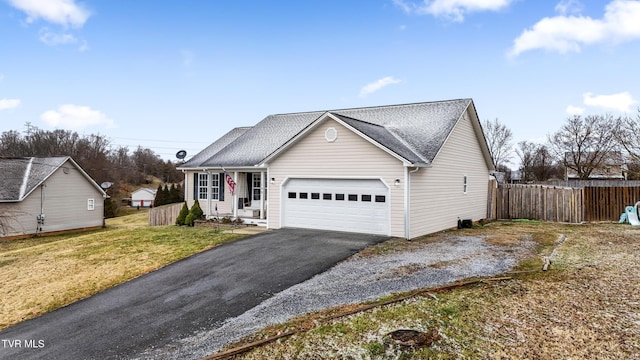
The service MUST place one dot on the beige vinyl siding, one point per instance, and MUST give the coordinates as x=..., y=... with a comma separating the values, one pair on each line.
x=349, y=156
x=65, y=197
x=224, y=207
x=437, y=197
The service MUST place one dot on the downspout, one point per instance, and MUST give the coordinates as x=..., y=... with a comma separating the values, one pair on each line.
x=407, y=205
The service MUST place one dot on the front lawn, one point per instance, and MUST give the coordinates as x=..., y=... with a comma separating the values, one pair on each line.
x=44, y=273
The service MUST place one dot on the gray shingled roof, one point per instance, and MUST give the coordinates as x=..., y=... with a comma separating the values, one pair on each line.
x=384, y=137
x=214, y=148
x=20, y=176
x=415, y=132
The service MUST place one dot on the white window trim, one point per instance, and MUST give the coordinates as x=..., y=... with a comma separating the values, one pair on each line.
x=215, y=186
x=91, y=204
x=203, y=186
x=255, y=180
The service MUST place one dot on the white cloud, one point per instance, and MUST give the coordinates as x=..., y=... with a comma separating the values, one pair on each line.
x=9, y=103
x=62, y=12
x=574, y=110
x=75, y=117
x=621, y=102
x=569, y=7
x=452, y=9
x=377, y=85
x=52, y=39
x=621, y=22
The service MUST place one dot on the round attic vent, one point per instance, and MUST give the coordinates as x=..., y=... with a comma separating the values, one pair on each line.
x=331, y=134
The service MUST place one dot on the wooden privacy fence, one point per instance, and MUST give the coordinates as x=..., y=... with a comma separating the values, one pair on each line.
x=607, y=203
x=559, y=204
x=164, y=215
x=535, y=202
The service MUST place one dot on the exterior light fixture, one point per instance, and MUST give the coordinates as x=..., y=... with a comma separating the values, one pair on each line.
x=273, y=180
x=397, y=182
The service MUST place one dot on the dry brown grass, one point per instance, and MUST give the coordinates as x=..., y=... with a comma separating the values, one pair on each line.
x=587, y=306
x=41, y=274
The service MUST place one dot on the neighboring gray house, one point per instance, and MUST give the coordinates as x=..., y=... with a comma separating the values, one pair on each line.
x=612, y=166
x=41, y=195
x=400, y=170
x=143, y=197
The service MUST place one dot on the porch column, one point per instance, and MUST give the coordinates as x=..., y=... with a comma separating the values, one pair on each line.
x=209, y=194
x=234, y=203
x=262, y=186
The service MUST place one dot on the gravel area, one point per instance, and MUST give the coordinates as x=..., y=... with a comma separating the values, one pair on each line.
x=355, y=280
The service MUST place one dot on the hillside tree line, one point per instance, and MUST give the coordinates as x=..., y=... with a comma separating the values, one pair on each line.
x=95, y=154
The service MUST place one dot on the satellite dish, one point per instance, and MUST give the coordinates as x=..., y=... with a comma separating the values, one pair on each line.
x=181, y=154
x=106, y=185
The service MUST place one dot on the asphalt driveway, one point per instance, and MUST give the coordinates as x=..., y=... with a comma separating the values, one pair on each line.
x=181, y=299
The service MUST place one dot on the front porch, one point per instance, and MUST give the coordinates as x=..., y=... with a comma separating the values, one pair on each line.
x=245, y=196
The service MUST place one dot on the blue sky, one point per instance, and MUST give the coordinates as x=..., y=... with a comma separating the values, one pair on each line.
x=173, y=75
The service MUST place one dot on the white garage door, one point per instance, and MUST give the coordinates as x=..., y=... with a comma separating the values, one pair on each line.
x=351, y=205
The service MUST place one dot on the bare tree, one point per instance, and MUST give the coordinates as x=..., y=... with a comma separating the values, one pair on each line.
x=583, y=144
x=499, y=139
x=536, y=162
x=628, y=136
x=526, y=151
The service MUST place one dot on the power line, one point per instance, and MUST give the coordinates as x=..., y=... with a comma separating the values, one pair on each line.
x=170, y=141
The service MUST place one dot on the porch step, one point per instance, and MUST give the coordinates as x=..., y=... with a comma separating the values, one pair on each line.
x=259, y=222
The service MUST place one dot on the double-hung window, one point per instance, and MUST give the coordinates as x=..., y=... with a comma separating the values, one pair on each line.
x=203, y=186
x=215, y=186
x=255, y=185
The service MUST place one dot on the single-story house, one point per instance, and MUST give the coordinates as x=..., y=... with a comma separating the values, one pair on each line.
x=48, y=194
x=143, y=197
x=400, y=170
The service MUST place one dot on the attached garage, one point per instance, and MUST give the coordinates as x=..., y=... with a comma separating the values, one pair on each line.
x=351, y=205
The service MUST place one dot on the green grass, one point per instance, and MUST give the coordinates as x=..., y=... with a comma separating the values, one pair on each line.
x=44, y=273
